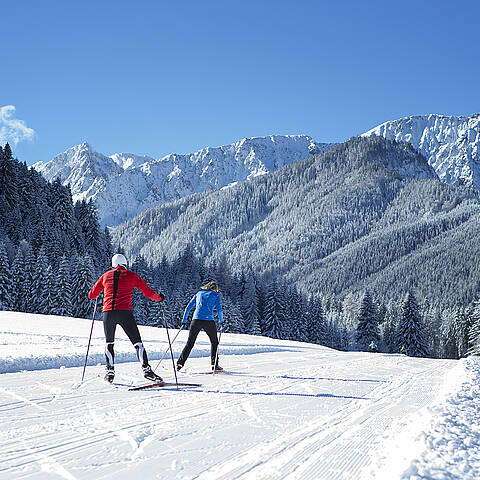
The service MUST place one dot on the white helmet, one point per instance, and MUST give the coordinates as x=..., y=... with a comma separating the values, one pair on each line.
x=119, y=259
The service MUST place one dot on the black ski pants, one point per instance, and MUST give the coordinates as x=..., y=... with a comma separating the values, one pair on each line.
x=210, y=329
x=125, y=319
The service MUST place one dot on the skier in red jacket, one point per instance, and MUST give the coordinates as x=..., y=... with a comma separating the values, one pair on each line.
x=118, y=285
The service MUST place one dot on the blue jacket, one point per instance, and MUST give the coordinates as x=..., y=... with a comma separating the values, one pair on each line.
x=204, y=302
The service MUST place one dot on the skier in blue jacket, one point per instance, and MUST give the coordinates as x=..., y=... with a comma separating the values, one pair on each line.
x=205, y=301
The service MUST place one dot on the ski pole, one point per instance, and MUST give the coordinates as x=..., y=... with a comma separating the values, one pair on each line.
x=170, y=346
x=90, y=338
x=216, y=354
x=173, y=341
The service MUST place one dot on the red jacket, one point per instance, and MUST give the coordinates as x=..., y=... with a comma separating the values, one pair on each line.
x=118, y=285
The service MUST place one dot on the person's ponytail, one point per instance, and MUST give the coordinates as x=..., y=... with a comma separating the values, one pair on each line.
x=210, y=286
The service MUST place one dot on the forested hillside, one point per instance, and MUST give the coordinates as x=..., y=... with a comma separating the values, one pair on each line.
x=50, y=249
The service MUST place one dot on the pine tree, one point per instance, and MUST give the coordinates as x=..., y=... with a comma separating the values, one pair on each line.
x=63, y=294
x=449, y=347
x=6, y=286
x=462, y=328
x=232, y=316
x=107, y=247
x=274, y=312
x=38, y=279
x=411, y=330
x=389, y=328
x=83, y=280
x=9, y=197
x=261, y=305
x=62, y=204
x=474, y=333
x=18, y=280
x=432, y=322
x=316, y=324
x=46, y=303
x=223, y=275
x=367, y=326
x=250, y=308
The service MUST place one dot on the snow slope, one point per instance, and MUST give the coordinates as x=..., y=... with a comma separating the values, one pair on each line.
x=125, y=184
x=288, y=411
x=451, y=145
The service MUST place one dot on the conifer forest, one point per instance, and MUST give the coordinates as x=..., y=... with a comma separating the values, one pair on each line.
x=53, y=249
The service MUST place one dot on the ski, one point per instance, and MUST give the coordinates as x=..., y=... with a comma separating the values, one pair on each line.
x=217, y=373
x=165, y=384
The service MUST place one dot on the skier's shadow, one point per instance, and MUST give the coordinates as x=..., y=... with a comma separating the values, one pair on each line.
x=285, y=394
x=288, y=377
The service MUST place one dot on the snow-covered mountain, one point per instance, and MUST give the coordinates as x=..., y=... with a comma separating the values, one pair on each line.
x=451, y=145
x=124, y=184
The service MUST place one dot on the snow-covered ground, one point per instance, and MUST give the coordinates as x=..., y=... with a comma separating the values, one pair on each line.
x=287, y=410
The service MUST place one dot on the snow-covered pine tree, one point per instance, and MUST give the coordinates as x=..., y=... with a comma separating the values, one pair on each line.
x=62, y=208
x=175, y=305
x=367, y=325
x=295, y=322
x=9, y=198
x=432, y=320
x=38, y=279
x=474, y=333
x=448, y=341
x=250, y=307
x=5, y=280
x=462, y=328
x=233, y=319
x=18, y=281
x=240, y=289
x=47, y=299
x=334, y=333
x=63, y=294
x=83, y=280
x=107, y=247
x=223, y=275
x=29, y=274
x=274, y=312
x=261, y=305
x=316, y=322
x=410, y=330
x=389, y=328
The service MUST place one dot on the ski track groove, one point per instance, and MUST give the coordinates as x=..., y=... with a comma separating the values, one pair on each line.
x=78, y=445
x=279, y=462
x=300, y=453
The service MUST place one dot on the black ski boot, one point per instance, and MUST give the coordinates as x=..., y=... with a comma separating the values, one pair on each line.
x=217, y=368
x=110, y=375
x=149, y=374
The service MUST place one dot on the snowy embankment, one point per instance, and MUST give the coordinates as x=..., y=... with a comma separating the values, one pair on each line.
x=55, y=342
x=287, y=410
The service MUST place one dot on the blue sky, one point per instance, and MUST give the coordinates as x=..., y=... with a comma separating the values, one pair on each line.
x=155, y=77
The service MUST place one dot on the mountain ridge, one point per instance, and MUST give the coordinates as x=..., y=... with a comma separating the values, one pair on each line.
x=123, y=185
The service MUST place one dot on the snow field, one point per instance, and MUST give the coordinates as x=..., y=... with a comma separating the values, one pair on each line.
x=287, y=411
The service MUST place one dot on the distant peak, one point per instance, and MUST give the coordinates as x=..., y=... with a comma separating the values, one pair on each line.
x=86, y=146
